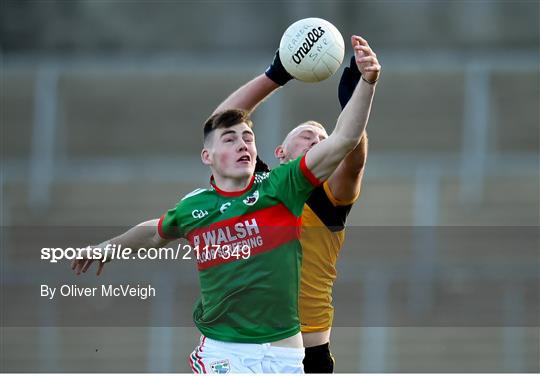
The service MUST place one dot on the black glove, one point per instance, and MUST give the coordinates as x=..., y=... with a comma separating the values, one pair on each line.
x=349, y=79
x=277, y=73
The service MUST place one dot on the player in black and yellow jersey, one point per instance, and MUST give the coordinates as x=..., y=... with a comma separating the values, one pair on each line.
x=325, y=212
x=323, y=230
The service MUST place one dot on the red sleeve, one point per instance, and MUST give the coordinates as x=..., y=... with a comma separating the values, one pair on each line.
x=308, y=174
x=161, y=230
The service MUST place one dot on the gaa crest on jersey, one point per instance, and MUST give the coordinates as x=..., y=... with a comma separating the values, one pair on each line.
x=221, y=366
x=252, y=199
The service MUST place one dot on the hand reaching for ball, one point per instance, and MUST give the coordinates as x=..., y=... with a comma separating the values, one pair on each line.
x=366, y=59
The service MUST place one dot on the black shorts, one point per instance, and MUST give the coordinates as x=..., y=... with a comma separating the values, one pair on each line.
x=318, y=359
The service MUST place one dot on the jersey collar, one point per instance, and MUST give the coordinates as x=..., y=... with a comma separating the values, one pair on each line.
x=231, y=193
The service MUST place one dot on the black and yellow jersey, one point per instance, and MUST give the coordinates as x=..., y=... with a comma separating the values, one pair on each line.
x=322, y=236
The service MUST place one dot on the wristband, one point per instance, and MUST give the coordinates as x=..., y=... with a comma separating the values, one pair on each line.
x=370, y=82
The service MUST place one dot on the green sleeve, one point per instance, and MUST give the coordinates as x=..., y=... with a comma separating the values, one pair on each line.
x=169, y=224
x=292, y=183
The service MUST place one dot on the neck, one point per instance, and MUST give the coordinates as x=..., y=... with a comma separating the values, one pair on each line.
x=231, y=184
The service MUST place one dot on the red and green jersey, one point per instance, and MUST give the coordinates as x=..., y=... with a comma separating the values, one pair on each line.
x=251, y=299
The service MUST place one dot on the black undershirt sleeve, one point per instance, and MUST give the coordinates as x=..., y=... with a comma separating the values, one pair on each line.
x=333, y=217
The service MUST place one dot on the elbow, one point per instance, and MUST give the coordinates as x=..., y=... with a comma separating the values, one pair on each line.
x=154, y=239
x=157, y=241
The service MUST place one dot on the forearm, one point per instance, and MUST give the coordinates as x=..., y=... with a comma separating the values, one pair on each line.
x=346, y=181
x=325, y=157
x=355, y=161
x=352, y=121
x=249, y=96
x=144, y=235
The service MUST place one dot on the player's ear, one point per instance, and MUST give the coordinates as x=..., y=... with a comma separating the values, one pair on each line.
x=279, y=153
x=206, y=157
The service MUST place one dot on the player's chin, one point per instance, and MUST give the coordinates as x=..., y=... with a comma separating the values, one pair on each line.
x=243, y=170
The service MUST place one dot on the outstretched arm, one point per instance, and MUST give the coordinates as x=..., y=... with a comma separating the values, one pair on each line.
x=346, y=181
x=324, y=157
x=250, y=95
x=144, y=235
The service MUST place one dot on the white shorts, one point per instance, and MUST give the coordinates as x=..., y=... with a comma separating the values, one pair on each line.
x=213, y=356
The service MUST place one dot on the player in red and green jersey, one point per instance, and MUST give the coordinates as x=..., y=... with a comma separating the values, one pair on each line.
x=262, y=218
x=248, y=311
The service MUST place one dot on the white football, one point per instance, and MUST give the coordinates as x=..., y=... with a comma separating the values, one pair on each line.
x=311, y=49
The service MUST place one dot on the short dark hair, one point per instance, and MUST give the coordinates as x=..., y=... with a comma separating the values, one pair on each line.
x=226, y=119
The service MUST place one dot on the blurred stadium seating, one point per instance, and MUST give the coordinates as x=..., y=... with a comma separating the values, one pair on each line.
x=102, y=105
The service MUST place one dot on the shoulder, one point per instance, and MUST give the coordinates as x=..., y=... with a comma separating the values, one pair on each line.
x=284, y=169
x=323, y=204
x=194, y=193
x=195, y=198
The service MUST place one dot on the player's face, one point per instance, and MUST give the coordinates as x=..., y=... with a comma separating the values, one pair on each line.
x=232, y=153
x=300, y=140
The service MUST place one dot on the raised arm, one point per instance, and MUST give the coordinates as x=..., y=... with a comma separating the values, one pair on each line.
x=250, y=95
x=346, y=181
x=325, y=157
x=144, y=235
